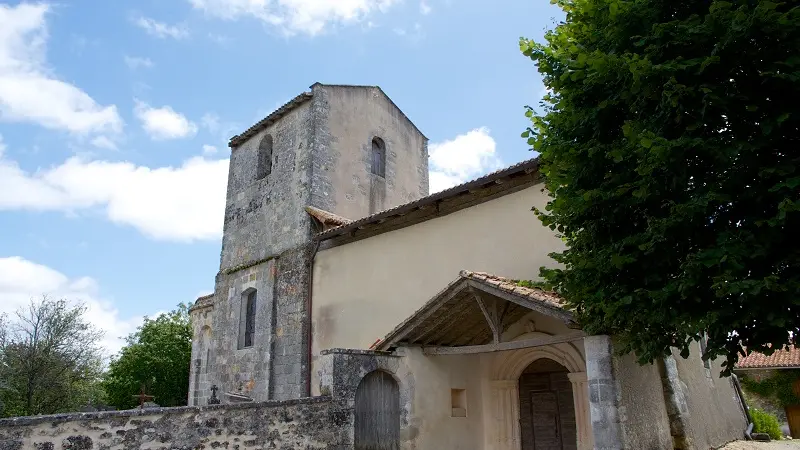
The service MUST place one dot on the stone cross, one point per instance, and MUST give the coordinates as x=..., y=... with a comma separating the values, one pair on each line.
x=142, y=397
x=213, y=400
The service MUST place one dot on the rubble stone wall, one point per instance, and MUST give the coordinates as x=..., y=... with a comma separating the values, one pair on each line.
x=308, y=423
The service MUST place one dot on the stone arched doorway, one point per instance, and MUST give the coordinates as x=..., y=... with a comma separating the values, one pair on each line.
x=507, y=369
x=546, y=407
x=377, y=413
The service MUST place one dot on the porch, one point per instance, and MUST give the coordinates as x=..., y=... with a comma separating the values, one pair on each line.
x=528, y=387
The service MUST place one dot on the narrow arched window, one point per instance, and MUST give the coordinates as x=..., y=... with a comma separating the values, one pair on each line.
x=264, y=164
x=378, y=157
x=247, y=322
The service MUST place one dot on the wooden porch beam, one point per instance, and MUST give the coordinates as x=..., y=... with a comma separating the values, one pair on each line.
x=504, y=346
x=540, y=307
x=490, y=312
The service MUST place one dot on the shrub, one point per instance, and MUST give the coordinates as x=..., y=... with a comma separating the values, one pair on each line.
x=764, y=422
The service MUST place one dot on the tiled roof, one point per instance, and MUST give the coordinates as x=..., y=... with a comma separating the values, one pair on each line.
x=510, y=286
x=205, y=300
x=327, y=217
x=239, y=139
x=779, y=359
x=453, y=318
x=528, y=165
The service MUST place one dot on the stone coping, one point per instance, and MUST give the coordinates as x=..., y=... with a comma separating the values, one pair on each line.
x=350, y=351
x=70, y=417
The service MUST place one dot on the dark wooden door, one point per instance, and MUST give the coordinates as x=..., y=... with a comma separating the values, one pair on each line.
x=377, y=425
x=546, y=426
x=547, y=412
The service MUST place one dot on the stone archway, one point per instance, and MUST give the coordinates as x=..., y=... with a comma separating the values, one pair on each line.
x=504, y=387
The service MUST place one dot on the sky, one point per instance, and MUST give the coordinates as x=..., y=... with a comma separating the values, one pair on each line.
x=115, y=118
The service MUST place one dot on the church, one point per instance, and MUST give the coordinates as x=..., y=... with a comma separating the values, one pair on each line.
x=337, y=263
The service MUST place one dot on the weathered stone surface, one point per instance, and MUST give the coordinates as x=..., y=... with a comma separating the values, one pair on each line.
x=321, y=157
x=311, y=423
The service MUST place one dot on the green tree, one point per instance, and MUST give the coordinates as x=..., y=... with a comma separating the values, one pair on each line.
x=669, y=143
x=157, y=356
x=50, y=359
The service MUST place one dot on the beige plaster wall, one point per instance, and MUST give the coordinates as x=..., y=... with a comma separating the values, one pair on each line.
x=642, y=410
x=715, y=413
x=364, y=289
x=429, y=381
x=355, y=116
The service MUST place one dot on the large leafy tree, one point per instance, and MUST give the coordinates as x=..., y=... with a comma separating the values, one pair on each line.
x=50, y=359
x=669, y=142
x=156, y=357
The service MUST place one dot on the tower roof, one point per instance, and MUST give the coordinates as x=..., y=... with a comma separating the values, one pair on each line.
x=300, y=99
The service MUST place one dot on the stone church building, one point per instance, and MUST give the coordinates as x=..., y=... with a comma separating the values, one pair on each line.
x=337, y=264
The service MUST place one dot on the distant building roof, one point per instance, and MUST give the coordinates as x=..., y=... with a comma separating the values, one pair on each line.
x=780, y=359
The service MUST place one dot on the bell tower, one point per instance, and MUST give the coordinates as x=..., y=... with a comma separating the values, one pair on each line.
x=345, y=150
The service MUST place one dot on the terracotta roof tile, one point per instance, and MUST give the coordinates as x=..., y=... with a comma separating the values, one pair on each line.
x=528, y=165
x=327, y=218
x=779, y=359
x=510, y=286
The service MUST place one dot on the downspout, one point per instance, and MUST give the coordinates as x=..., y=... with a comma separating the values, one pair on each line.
x=309, y=296
x=740, y=394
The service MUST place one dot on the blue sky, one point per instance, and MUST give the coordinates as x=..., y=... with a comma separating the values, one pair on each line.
x=114, y=119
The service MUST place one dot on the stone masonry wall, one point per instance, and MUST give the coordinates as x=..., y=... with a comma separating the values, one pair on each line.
x=346, y=119
x=243, y=370
x=311, y=423
x=266, y=217
x=200, y=373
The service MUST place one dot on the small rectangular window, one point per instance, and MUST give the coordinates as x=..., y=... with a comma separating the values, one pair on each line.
x=458, y=402
x=249, y=319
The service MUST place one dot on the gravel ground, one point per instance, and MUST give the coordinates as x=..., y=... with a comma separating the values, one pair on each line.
x=774, y=445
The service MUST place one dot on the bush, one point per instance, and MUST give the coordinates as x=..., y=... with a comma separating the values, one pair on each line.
x=764, y=422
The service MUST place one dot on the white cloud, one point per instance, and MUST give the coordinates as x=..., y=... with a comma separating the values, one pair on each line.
x=184, y=203
x=209, y=149
x=163, y=122
x=135, y=62
x=104, y=142
x=424, y=8
x=22, y=280
x=29, y=89
x=210, y=121
x=461, y=159
x=295, y=16
x=161, y=29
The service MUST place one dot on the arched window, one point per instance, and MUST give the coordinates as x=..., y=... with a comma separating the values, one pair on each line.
x=247, y=321
x=264, y=164
x=378, y=157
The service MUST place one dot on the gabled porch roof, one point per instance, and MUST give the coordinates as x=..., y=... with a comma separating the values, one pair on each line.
x=471, y=314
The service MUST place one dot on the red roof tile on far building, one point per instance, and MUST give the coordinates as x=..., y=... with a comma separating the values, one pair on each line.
x=781, y=359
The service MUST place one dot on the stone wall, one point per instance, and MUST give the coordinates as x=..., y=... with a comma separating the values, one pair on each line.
x=266, y=217
x=233, y=368
x=311, y=423
x=714, y=412
x=346, y=119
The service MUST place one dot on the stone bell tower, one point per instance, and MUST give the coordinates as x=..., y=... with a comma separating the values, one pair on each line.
x=346, y=150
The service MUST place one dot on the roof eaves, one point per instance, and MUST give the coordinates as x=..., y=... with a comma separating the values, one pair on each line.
x=239, y=139
x=526, y=166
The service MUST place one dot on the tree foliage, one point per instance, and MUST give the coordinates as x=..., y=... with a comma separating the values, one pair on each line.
x=777, y=387
x=157, y=356
x=669, y=142
x=50, y=359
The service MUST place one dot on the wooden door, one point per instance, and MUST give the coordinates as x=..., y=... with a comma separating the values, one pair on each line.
x=546, y=426
x=377, y=421
x=547, y=412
